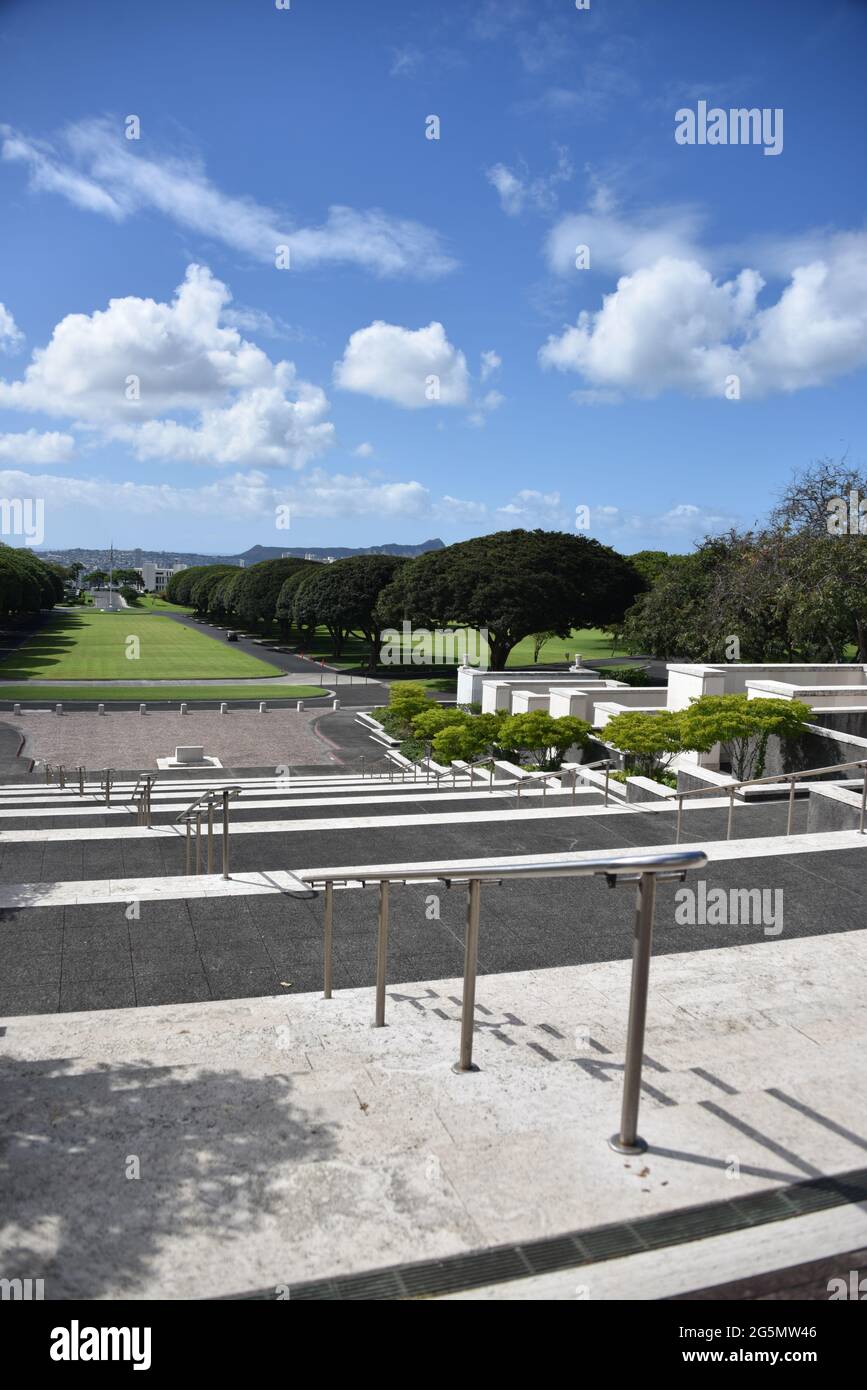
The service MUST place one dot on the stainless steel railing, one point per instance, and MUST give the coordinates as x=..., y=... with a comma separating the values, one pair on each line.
x=192, y=815
x=791, y=777
x=645, y=870
x=105, y=784
x=607, y=763
x=141, y=797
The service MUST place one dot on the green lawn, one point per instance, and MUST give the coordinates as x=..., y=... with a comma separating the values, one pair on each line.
x=590, y=642
x=153, y=695
x=158, y=605
x=93, y=646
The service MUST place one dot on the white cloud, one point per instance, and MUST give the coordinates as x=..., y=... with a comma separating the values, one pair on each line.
x=250, y=320
x=530, y=507
x=510, y=188
x=518, y=189
x=246, y=410
x=33, y=447
x=11, y=336
x=679, y=526
x=99, y=171
x=618, y=243
x=409, y=367
x=593, y=396
x=491, y=362
x=364, y=451
x=672, y=326
x=405, y=61
x=492, y=400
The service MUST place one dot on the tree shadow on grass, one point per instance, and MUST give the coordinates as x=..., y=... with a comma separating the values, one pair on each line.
x=212, y=1147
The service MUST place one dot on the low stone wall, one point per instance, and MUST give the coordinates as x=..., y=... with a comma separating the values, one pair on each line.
x=833, y=808
x=645, y=789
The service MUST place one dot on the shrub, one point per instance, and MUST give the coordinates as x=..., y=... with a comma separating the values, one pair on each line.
x=648, y=741
x=743, y=726
x=629, y=675
x=407, y=699
x=544, y=738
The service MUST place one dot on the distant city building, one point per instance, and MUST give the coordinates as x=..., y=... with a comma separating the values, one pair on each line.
x=155, y=577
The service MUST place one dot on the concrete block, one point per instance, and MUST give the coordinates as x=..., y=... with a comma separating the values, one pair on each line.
x=190, y=753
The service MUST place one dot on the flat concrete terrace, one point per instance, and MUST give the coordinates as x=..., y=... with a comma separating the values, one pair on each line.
x=283, y=1141
x=241, y=738
x=118, y=943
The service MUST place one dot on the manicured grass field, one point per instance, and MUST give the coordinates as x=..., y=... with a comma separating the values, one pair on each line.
x=154, y=603
x=94, y=646
x=156, y=694
x=590, y=642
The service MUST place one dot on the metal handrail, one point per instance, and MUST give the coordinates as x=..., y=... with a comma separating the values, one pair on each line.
x=643, y=869
x=607, y=763
x=105, y=781
x=543, y=777
x=193, y=813
x=775, y=778
x=145, y=782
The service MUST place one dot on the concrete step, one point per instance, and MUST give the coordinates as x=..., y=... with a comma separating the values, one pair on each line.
x=277, y=808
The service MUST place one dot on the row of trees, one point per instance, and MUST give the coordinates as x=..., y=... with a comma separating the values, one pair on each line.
x=512, y=583
x=453, y=734
x=793, y=589
x=27, y=583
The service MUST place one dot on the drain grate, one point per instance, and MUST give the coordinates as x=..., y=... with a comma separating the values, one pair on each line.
x=474, y=1270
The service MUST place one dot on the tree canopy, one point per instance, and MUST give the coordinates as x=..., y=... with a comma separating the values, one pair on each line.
x=514, y=583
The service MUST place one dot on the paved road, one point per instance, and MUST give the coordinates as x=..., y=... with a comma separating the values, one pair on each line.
x=107, y=601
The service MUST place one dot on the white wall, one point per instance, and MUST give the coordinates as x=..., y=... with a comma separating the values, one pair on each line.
x=471, y=679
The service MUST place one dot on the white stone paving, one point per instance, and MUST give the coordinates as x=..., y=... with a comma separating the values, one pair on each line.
x=285, y=1139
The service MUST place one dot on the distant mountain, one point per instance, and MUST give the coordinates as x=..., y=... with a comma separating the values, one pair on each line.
x=130, y=559
x=334, y=552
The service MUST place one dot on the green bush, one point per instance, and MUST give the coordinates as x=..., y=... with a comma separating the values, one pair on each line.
x=629, y=675
x=414, y=749
x=648, y=741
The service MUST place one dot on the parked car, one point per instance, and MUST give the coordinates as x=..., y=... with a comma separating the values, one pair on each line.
x=231, y=636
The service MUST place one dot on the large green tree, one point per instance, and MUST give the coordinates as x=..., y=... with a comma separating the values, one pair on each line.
x=514, y=583
x=27, y=584
x=344, y=597
x=254, y=599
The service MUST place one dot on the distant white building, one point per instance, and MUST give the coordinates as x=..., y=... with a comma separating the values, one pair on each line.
x=155, y=577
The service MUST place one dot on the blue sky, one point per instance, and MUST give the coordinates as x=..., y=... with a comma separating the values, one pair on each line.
x=432, y=361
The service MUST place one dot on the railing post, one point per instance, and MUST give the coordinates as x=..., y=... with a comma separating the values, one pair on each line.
x=329, y=934
x=731, y=812
x=791, y=804
x=471, y=957
x=210, y=837
x=108, y=786
x=607, y=772
x=62, y=778
x=679, y=818
x=198, y=842
x=81, y=781
x=627, y=1141
x=381, y=953
x=863, y=799
x=189, y=834
x=225, y=834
